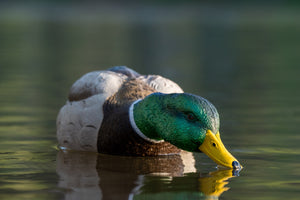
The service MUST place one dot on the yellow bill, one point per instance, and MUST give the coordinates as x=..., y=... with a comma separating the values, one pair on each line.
x=215, y=149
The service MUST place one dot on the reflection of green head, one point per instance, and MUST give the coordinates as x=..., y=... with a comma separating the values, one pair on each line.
x=181, y=119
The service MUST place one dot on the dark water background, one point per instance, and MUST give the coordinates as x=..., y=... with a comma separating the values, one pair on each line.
x=243, y=58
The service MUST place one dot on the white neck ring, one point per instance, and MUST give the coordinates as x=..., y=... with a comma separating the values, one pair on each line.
x=135, y=128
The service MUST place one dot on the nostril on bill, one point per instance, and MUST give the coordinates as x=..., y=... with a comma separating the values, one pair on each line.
x=236, y=165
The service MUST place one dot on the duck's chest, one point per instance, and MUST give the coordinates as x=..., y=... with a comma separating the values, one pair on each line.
x=116, y=136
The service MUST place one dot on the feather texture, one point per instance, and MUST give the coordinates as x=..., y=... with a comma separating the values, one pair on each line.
x=79, y=121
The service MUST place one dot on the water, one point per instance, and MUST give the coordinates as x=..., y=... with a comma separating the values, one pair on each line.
x=243, y=59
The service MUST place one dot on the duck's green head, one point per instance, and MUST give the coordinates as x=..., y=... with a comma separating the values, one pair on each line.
x=187, y=121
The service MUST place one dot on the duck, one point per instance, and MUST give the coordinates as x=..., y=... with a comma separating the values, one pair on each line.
x=121, y=112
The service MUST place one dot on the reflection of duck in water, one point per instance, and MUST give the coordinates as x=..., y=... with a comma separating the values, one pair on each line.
x=98, y=176
x=121, y=112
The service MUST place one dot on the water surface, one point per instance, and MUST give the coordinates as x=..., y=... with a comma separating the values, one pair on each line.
x=243, y=59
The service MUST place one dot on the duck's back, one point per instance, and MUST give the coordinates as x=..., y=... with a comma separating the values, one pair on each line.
x=79, y=121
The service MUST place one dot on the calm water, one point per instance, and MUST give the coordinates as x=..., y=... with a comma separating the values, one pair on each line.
x=243, y=59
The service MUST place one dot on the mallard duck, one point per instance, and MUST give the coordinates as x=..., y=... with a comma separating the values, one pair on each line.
x=119, y=111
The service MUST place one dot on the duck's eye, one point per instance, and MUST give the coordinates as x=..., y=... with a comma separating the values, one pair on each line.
x=190, y=117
